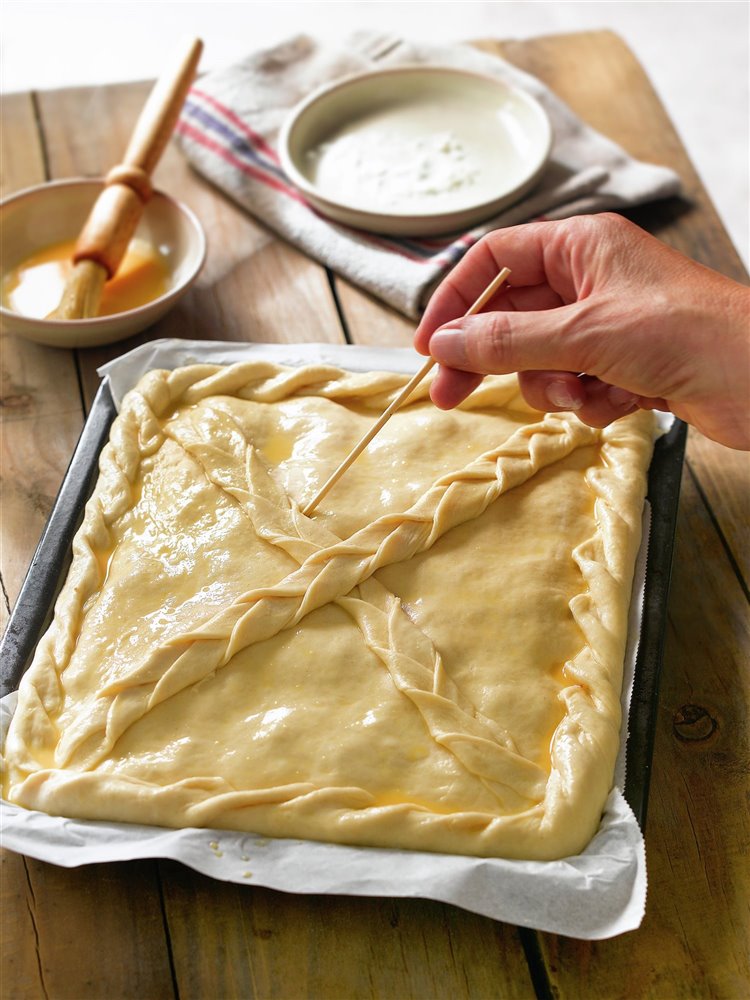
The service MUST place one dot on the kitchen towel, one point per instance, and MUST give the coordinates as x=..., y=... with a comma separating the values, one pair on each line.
x=232, y=118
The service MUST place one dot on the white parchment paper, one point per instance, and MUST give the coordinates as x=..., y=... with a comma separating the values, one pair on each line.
x=597, y=894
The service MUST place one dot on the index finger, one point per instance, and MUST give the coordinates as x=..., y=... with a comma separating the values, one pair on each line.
x=520, y=248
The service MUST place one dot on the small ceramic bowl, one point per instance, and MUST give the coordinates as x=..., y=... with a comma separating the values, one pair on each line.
x=52, y=213
x=415, y=151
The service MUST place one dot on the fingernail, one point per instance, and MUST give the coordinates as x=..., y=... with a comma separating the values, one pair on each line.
x=449, y=347
x=560, y=395
x=621, y=399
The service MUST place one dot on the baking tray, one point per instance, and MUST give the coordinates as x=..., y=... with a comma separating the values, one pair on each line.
x=46, y=575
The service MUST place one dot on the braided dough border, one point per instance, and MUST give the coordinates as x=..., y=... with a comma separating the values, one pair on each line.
x=584, y=746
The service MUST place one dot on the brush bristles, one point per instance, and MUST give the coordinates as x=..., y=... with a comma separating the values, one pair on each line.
x=83, y=292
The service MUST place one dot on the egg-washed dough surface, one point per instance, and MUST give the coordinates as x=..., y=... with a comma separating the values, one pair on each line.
x=431, y=661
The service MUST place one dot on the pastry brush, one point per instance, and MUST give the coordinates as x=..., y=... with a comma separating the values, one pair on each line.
x=114, y=217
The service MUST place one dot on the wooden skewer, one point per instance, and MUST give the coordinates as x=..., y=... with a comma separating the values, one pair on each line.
x=117, y=211
x=410, y=386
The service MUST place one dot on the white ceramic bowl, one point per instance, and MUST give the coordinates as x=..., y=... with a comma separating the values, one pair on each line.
x=55, y=212
x=365, y=151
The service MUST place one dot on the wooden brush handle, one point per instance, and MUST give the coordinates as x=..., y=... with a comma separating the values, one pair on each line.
x=116, y=212
x=109, y=228
x=160, y=113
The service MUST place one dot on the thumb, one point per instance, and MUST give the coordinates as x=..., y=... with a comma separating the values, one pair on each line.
x=497, y=343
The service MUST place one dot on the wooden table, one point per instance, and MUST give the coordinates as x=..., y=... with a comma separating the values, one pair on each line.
x=156, y=929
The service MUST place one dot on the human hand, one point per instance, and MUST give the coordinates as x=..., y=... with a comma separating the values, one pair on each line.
x=601, y=318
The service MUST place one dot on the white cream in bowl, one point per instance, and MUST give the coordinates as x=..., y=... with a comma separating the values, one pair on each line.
x=415, y=150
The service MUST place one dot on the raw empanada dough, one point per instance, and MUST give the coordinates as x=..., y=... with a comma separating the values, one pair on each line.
x=433, y=660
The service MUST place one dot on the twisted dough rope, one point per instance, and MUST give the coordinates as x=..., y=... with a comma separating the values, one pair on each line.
x=138, y=433
x=592, y=720
x=33, y=734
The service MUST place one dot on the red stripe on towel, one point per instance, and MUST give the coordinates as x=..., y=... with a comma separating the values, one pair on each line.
x=255, y=137
x=186, y=129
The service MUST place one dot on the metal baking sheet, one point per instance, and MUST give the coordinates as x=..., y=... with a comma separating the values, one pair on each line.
x=49, y=566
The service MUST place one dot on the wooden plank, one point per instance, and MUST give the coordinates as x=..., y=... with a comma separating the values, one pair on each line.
x=371, y=322
x=693, y=941
x=22, y=976
x=254, y=286
x=35, y=454
x=723, y=476
x=38, y=388
x=41, y=417
x=21, y=161
x=260, y=943
x=82, y=933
